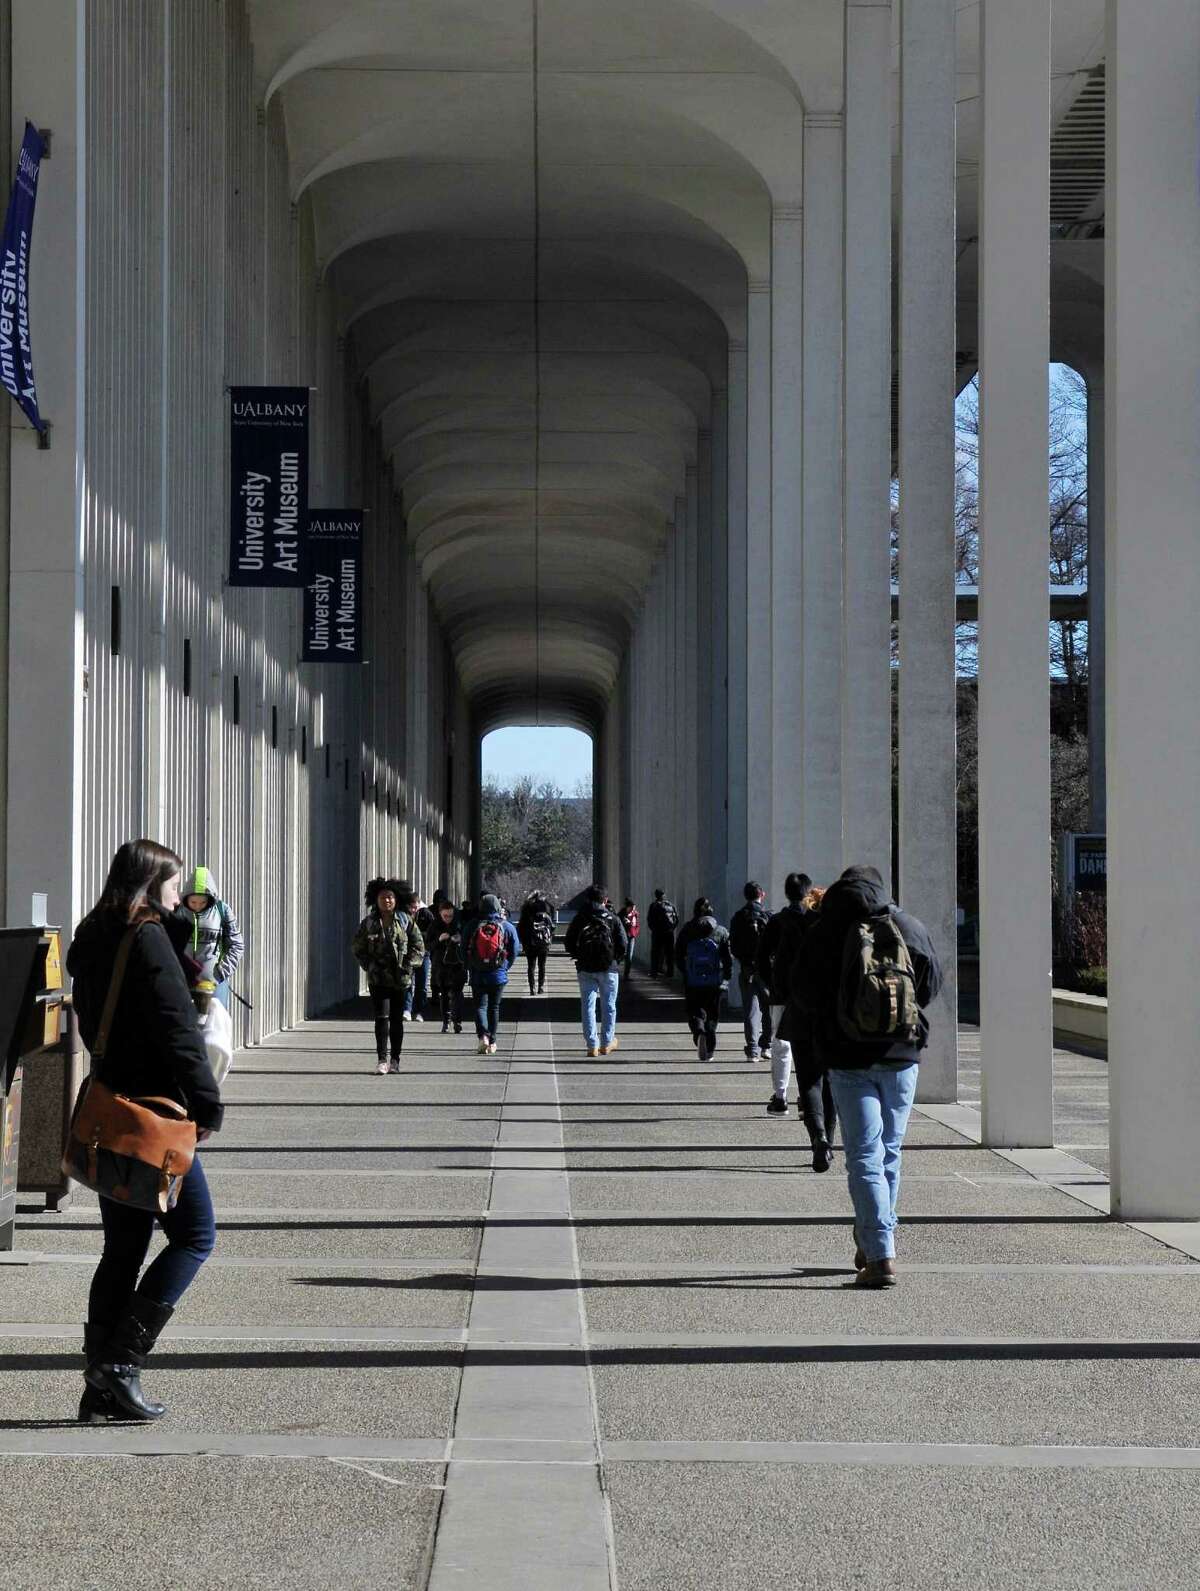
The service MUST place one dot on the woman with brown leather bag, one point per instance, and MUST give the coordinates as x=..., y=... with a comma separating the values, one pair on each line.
x=137, y=1017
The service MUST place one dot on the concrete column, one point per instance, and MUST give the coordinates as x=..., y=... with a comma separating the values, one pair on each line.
x=820, y=848
x=47, y=492
x=927, y=884
x=867, y=429
x=1016, y=1020
x=736, y=632
x=691, y=676
x=705, y=685
x=718, y=621
x=1152, y=346
x=759, y=761
x=786, y=566
x=1097, y=782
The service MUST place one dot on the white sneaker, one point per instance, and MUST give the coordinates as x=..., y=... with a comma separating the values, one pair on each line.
x=418, y=1019
x=482, y=1047
x=408, y=1016
x=381, y=1069
x=491, y=1049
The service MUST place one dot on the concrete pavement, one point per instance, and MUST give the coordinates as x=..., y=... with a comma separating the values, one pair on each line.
x=542, y=1322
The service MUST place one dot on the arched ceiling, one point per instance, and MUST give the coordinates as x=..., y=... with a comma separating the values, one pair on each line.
x=540, y=455
x=541, y=451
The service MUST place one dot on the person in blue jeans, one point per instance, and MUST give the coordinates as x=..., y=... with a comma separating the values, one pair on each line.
x=492, y=948
x=422, y=974
x=873, y=1078
x=597, y=943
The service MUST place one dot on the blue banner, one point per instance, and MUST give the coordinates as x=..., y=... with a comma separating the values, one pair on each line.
x=16, y=351
x=333, y=587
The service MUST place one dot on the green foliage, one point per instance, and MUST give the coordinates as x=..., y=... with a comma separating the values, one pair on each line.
x=534, y=836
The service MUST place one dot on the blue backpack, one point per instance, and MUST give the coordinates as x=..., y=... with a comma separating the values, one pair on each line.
x=702, y=964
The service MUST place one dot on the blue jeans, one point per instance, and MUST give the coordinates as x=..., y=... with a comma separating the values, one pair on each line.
x=190, y=1232
x=756, y=1010
x=874, y=1106
x=487, y=1009
x=418, y=989
x=601, y=988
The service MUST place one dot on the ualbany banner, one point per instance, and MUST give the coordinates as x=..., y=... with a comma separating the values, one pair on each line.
x=16, y=349
x=268, y=480
x=333, y=631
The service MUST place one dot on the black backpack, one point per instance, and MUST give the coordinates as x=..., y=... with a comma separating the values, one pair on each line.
x=670, y=914
x=594, y=947
x=541, y=930
x=746, y=932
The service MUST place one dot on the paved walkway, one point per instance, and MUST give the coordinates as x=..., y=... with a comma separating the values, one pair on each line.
x=538, y=1322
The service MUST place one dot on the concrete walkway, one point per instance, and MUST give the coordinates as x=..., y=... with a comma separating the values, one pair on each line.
x=540, y=1322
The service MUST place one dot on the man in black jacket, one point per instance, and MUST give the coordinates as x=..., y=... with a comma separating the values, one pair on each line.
x=662, y=919
x=596, y=941
x=747, y=928
x=874, y=1080
x=705, y=962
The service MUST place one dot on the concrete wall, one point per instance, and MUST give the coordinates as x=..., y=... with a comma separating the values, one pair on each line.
x=199, y=273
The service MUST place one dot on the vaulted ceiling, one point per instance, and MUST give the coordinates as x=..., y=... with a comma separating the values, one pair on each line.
x=539, y=218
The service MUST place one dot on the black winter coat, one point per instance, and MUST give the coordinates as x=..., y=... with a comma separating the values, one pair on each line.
x=703, y=928
x=777, y=949
x=155, y=1045
x=658, y=918
x=817, y=973
x=618, y=938
x=448, y=959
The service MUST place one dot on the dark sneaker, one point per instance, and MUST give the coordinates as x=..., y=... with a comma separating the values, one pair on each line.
x=702, y=1046
x=822, y=1156
x=751, y=1052
x=877, y=1273
x=777, y=1105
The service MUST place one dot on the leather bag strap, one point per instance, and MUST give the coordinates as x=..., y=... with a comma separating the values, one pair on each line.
x=114, y=994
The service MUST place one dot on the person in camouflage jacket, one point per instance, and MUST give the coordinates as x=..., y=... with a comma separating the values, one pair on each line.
x=387, y=946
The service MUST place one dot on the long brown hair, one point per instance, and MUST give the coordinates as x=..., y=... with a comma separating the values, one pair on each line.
x=135, y=879
x=814, y=898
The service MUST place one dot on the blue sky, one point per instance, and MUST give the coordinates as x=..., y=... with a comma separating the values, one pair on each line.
x=561, y=755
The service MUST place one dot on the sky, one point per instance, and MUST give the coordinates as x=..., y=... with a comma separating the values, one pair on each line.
x=563, y=756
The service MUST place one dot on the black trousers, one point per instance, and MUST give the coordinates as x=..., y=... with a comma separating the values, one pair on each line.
x=703, y=1008
x=662, y=954
x=388, y=1006
x=535, y=958
x=815, y=1098
x=450, y=1001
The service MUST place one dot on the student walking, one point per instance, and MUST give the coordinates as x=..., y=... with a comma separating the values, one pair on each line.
x=631, y=922
x=662, y=919
x=597, y=943
x=153, y=1047
x=492, y=949
x=387, y=945
x=746, y=930
x=535, y=929
x=448, y=964
x=214, y=945
x=703, y=955
x=867, y=974
x=417, y=993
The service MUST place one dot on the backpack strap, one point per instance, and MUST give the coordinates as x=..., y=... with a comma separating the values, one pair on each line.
x=114, y=994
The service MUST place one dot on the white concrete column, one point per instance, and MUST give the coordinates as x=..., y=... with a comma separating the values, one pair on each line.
x=759, y=759
x=867, y=429
x=820, y=850
x=786, y=565
x=1152, y=385
x=1014, y=601
x=927, y=884
x=736, y=632
x=47, y=490
x=1097, y=782
x=717, y=599
x=706, y=691
x=691, y=676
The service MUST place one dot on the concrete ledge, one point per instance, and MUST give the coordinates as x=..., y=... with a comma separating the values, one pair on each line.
x=1081, y=1018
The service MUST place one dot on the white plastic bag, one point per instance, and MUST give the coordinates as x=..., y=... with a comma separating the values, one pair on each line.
x=217, y=1028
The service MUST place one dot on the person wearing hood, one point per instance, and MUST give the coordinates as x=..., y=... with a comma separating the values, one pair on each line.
x=867, y=974
x=492, y=948
x=419, y=989
x=154, y=1047
x=448, y=957
x=703, y=956
x=214, y=941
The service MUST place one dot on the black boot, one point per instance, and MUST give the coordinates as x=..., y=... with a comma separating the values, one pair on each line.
x=96, y=1408
x=125, y=1354
x=822, y=1154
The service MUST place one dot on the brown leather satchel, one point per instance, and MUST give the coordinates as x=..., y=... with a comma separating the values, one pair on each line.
x=135, y=1151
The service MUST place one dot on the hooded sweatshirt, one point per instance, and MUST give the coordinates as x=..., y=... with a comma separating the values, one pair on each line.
x=214, y=942
x=817, y=972
x=704, y=928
